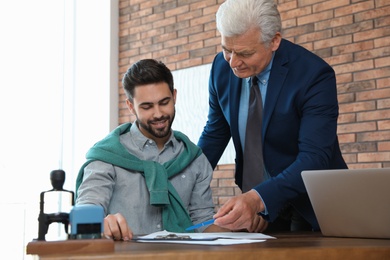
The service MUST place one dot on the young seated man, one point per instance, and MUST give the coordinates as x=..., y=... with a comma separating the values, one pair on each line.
x=146, y=176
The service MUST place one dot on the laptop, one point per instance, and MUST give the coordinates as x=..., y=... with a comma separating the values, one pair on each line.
x=351, y=203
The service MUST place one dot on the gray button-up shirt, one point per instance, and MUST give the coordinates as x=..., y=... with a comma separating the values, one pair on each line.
x=123, y=191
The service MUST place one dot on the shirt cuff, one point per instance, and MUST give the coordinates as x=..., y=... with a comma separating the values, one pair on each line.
x=265, y=211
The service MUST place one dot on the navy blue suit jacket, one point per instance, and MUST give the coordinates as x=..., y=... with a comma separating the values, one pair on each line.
x=299, y=125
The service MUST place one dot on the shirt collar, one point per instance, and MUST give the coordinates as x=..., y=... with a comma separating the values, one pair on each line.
x=140, y=140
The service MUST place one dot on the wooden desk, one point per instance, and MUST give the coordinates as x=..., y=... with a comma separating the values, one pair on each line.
x=286, y=246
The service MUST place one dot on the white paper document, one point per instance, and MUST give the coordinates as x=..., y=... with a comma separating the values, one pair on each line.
x=225, y=238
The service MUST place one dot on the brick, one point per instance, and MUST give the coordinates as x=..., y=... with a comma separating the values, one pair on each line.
x=344, y=78
x=136, y=2
x=354, y=66
x=129, y=53
x=139, y=28
x=237, y=191
x=352, y=28
x=381, y=22
x=333, y=23
x=371, y=34
x=353, y=47
x=288, y=23
x=359, y=86
x=177, y=26
x=374, y=157
x=382, y=62
x=165, y=22
x=373, y=136
x=293, y=13
x=222, y=200
x=329, y=5
x=364, y=165
x=346, y=118
x=157, y=54
x=164, y=37
x=357, y=106
x=344, y=97
x=189, y=63
x=383, y=83
x=150, y=3
x=359, y=147
x=208, y=59
x=350, y=158
x=176, y=11
x=307, y=28
x=373, y=115
x=136, y=58
x=308, y=46
x=383, y=103
x=223, y=191
x=339, y=59
x=372, y=74
x=202, y=20
x=176, y=42
x=210, y=26
x=312, y=18
x=223, y=174
x=372, y=14
x=357, y=127
x=335, y=41
x=384, y=125
x=164, y=7
x=227, y=183
x=354, y=8
x=226, y=167
x=189, y=16
x=372, y=54
x=384, y=146
x=140, y=43
x=347, y=138
x=124, y=18
x=174, y=58
x=309, y=37
x=210, y=10
x=284, y=7
x=380, y=3
x=190, y=46
x=152, y=18
x=201, y=36
x=190, y=30
x=212, y=42
x=306, y=2
x=201, y=4
x=141, y=13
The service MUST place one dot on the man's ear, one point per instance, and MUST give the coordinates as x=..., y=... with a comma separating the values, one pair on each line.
x=174, y=96
x=130, y=106
x=275, y=42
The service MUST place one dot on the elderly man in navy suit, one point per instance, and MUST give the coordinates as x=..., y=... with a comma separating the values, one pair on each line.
x=298, y=125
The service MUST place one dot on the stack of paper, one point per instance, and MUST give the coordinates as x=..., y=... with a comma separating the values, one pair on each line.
x=225, y=238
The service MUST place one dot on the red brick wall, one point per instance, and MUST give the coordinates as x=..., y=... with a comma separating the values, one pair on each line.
x=351, y=35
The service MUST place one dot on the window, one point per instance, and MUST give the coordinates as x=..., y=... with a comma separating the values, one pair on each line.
x=58, y=95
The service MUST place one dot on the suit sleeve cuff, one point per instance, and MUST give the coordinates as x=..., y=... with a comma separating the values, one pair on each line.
x=265, y=211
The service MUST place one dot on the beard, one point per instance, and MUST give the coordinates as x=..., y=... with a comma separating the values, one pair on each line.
x=157, y=132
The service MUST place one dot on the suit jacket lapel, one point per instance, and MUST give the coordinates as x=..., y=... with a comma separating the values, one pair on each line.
x=275, y=83
x=234, y=101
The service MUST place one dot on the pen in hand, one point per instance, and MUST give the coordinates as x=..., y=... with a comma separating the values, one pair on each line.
x=205, y=223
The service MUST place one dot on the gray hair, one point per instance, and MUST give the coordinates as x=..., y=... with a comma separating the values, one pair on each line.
x=235, y=17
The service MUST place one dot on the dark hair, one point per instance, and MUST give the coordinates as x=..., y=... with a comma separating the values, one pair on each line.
x=145, y=72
